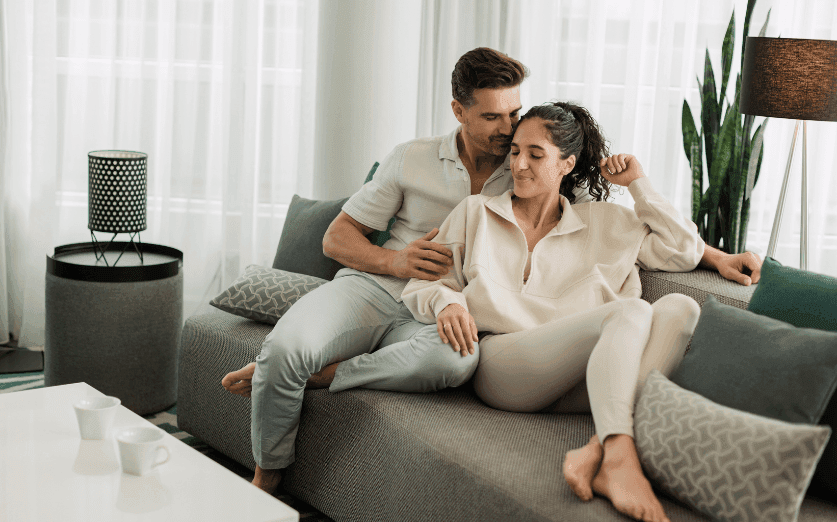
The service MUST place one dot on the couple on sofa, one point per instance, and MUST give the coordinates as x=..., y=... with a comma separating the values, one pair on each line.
x=529, y=283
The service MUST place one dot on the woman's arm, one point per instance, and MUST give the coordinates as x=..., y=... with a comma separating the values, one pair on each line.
x=673, y=243
x=442, y=301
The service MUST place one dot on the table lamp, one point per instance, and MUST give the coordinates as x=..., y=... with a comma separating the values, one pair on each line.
x=794, y=79
x=117, y=199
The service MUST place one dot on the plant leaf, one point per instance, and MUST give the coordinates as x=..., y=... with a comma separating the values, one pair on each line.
x=736, y=178
x=726, y=55
x=754, y=159
x=722, y=153
x=762, y=32
x=742, y=234
x=697, y=177
x=710, y=112
x=690, y=134
x=751, y=4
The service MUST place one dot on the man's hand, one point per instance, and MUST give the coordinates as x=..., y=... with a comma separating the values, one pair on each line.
x=457, y=327
x=422, y=259
x=621, y=169
x=744, y=268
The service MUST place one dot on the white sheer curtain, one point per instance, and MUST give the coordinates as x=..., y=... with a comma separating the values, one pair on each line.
x=242, y=103
x=218, y=93
x=632, y=63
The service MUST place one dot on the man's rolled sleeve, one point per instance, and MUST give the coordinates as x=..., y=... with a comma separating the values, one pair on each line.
x=379, y=199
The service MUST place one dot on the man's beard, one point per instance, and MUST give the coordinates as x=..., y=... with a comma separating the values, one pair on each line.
x=497, y=145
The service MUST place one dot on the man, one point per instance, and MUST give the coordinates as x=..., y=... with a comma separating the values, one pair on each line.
x=355, y=331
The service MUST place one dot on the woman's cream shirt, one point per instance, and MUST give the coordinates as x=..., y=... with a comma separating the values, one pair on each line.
x=590, y=258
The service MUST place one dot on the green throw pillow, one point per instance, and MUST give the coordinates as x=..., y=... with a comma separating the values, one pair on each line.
x=301, y=243
x=759, y=364
x=798, y=297
x=806, y=300
x=300, y=247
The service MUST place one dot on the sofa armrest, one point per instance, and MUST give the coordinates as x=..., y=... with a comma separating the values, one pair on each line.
x=697, y=284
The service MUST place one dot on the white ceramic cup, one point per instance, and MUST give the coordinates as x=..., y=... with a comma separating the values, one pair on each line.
x=138, y=449
x=95, y=416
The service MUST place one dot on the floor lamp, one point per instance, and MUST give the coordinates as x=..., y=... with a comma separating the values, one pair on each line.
x=794, y=79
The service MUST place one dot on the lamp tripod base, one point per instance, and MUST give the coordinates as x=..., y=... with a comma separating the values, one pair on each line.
x=100, y=248
x=777, y=221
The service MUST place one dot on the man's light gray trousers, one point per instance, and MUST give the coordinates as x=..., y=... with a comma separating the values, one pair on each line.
x=349, y=319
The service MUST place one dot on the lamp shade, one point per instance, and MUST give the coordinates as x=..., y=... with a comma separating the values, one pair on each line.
x=790, y=78
x=117, y=200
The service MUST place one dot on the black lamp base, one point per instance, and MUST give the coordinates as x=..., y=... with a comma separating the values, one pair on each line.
x=100, y=248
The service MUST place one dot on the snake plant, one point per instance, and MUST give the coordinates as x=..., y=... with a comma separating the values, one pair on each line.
x=726, y=149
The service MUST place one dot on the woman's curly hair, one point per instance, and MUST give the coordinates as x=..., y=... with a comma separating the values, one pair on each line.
x=575, y=132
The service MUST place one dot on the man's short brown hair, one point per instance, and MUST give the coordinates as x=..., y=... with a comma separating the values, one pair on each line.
x=484, y=68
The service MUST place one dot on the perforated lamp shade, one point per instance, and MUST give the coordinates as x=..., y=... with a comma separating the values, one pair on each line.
x=117, y=201
x=790, y=78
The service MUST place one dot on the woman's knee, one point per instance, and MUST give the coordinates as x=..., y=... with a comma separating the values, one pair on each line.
x=677, y=311
x=636, y=311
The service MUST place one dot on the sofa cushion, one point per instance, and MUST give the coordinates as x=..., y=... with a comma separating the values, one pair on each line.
x=264, y=294
x=759, y=364
x=300, y=247
x=809, y=300
x=301, y=243
x=799, y=297
x=729, y=464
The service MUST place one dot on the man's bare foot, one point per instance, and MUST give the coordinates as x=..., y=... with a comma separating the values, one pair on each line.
x=620, y=479
x=267, y=479
x=240, y=382
x=323, y=378
x=581, y=465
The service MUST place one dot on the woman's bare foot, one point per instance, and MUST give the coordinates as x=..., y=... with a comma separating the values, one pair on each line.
x=581, y=465
x=267, y=479
x=620, y=478
x=323, y=378
x=240, y=382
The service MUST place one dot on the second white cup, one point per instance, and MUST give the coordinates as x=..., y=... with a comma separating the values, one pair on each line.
x=139, y=447
x=95, y=416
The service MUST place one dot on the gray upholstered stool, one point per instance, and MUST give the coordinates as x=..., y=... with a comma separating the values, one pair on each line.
x=117, y=328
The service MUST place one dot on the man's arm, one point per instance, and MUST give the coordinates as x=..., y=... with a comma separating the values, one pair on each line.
x=345, y=241
x=744, y=268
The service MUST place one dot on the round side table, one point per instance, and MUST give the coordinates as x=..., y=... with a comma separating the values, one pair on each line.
x=115, y=327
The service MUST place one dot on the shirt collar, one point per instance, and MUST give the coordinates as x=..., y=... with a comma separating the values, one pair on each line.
x=570, y=220
x=448, y=149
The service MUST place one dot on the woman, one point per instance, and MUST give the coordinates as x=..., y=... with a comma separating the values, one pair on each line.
x=554, y=290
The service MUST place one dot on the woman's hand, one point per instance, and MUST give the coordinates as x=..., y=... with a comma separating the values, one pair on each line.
x=621, y=169
x=457, y=327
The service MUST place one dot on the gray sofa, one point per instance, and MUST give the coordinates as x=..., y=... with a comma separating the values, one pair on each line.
x=368, y=455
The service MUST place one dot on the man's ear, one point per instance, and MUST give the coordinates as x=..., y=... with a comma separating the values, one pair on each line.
x=458, y=111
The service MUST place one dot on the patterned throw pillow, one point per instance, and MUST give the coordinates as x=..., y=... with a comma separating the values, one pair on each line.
x=265, y=294
x=726, y=463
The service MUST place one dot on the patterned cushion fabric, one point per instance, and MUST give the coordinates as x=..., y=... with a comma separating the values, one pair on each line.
x=265, y=294
x=728, y=464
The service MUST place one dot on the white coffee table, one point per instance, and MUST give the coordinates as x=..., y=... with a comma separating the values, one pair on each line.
x=48, y=473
